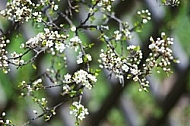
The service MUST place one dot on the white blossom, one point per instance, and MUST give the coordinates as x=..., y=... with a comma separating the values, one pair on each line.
x=75, y=39
x=18, y=10
x=56, y=7
x=3, y=114
x=60, y=47
x=145, y=15
x=78, y=110
x=74, y=43
x=134, y=71
x=49, y=43
x=7, y=121
x=125, y=67
x=79, y=60
x=88, y=56
x=67, y=78
x=73, y=28
x=118, y=35
x=84, y=78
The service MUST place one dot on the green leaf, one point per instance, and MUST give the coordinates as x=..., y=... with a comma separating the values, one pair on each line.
x=137, y=48
x=34, y=66
x=164, y=1
x=85, y=59
x=72, y=93
x=91, y=45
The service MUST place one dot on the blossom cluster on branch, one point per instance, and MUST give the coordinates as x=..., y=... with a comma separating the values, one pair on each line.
x=117, y=56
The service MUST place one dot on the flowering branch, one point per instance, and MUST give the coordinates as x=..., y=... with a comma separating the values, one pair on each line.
x=55, y=40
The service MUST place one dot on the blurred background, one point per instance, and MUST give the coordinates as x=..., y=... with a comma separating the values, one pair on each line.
x=166, y=104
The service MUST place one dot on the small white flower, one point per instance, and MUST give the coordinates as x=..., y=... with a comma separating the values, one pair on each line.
x=74, y=42
x=43, y=99
x=118, y=35
x=135, y=78
x=134, y=71
x=3, y=114
x=55, y=7
x=92, y=78
x=91, y=11
x=151, y=46
x=2, y=12
x=1, y=121
x=49, y=43
x=19, y=12
x=163, y=34
x=140, y=89
x=22, y=45
x=109, y=7
x=88, y=56
x=66, y=88
x=125, y=67
x=75, y=39
x=104, y=27
x=46, y=30
x=79, y=60
x=151, y=39
x=144, y=21
x=73, y=28
x=7, y=121
x=60, y=47
x=35, y=13
x=67, y=78
x=131, y=47
x=35, y=112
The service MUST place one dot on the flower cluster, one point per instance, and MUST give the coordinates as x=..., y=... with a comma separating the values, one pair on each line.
x=50, y=3
x=161, y=55
x=5, y=122
x=56, y=38
x=117, y=35
x=84, y=78
x=24, y=10
x=134, y=59
x=37, y=16
x=122, y=34
x=111, y=61
x=78, y=110
x=16, y=59
x=3, y=55
x=105, y=5
x=80, y=77
x=48, y=113
x=50, y=9
x=135, y=54
x=51, y=40
x=74, y=43
x=145, y=15
x=172, y=3
x=125, y=30
x=18, y=10
x=83, y=58
x=121, y=66
x=31, y=87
